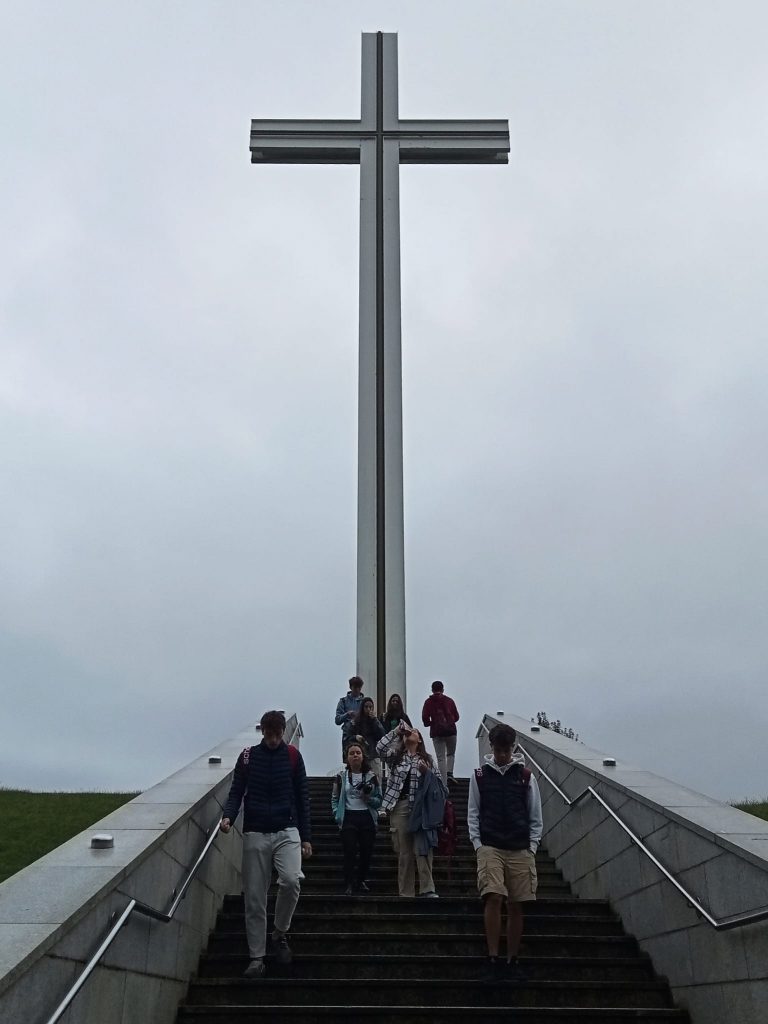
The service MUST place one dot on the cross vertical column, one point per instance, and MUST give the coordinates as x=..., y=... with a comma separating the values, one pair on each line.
x=380, y=554
x=380, y=141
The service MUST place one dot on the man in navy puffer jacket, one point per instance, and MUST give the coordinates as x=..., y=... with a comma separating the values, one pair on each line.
x=271, y=780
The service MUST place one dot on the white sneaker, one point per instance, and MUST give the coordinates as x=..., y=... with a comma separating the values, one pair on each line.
x=254, y=970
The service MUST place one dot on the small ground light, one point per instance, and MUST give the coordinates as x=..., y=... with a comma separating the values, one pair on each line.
x=102, y=842
x=535, y=728
x=500, y=713
x=214, y=759
x=609, y=762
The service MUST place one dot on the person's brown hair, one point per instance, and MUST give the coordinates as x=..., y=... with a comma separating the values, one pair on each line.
x=365, y=724
x=390, y=712
x=503, y=736
x=272, y=721
x=364, y=765
x=421, y=750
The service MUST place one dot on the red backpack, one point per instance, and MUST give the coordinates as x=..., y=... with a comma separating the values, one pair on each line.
x=293, y=756
x=446, y=833
x=441, y=718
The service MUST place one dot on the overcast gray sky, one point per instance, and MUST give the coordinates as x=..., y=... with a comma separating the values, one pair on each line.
x=585, y=374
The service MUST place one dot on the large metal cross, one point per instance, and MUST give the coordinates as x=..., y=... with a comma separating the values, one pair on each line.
x=380, y=142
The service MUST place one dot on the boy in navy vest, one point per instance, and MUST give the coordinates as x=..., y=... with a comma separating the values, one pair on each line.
x=505, y=826
x=271, y=781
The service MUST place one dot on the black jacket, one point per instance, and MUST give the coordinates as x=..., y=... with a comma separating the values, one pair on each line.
x=274, y=794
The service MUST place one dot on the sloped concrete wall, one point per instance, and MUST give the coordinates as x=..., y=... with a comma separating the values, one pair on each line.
x=719, y=854
x=55, y=913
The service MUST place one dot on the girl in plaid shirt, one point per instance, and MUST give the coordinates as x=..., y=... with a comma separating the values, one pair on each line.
x=410, y=761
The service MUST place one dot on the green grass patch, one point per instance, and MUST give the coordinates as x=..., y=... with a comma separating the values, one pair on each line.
x=757, y=807
x=33, y=824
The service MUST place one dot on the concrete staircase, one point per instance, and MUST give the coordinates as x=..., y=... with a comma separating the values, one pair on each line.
x=382, y=959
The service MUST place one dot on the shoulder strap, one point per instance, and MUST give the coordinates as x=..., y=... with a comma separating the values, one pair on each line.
x=293, y=756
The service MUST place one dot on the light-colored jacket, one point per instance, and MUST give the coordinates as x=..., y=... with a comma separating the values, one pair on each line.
x=339, y=796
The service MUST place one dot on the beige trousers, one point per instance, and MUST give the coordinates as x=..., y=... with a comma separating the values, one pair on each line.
x=407, y=861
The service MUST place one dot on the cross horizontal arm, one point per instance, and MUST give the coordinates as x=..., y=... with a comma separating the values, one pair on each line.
x=443, y=142
x=286, y=142
x=420, y=142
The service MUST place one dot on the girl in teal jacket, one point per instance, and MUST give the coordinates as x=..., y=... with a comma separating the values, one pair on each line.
x=355, y=799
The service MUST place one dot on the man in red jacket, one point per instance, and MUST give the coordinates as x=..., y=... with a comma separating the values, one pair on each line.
x=440, y=714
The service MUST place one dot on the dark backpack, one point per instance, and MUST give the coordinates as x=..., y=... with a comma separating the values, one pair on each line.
x=442, y=720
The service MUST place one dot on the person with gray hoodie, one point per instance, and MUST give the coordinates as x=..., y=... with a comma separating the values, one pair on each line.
x=505, y=827
x=347, y=709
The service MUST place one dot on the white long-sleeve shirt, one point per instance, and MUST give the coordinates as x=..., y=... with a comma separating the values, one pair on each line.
x=533, y=800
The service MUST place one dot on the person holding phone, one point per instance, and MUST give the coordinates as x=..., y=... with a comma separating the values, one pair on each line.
x=367, y=730
x=408, y=765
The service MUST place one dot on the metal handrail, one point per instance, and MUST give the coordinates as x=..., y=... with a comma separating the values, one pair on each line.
x=719, y=924
x=139, y=908
x=146, y=911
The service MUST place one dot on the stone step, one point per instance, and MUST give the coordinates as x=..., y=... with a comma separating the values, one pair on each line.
x=464, y=862
x=412, y=921
x=330, y=851
x=410, y=992
x=329, y=886
x=394, y=960
x=464, y=1014
x=465, y=905
x=428, y=968
x=452, y=886
x=432, y=943
x=383, y=880
x=462, y=870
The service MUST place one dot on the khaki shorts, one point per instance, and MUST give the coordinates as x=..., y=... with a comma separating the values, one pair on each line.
x=510, y=873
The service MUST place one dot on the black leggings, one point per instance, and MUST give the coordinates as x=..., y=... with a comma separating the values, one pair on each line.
x=357, y=833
